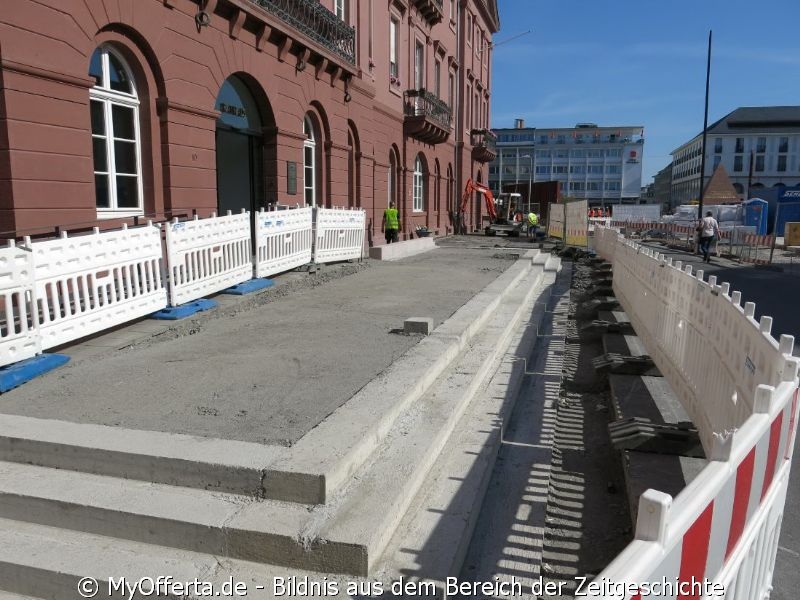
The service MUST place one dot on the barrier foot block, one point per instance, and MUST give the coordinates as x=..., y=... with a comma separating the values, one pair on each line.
x=248, y=287
x=15, y=375
x=174, y=313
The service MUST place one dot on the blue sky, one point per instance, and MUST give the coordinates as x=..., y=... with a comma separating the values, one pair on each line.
x=624, y=62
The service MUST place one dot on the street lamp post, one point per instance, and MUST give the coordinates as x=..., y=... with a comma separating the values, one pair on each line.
x=530, y=174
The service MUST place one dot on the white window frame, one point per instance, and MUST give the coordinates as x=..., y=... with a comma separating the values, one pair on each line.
x=391, y=179
x=394, y=30
x=310, y=143
x=419, y=64
x=418, y=186
x=109, y=98
x=340, y=8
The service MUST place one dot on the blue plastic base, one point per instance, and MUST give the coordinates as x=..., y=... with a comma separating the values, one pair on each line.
x=15, y=375
x=174, y=313
x=248, y=287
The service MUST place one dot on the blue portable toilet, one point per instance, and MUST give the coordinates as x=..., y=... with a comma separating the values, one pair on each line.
x=788, y=209
x=755, y=214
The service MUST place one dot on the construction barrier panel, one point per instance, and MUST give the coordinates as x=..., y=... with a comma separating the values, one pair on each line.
x=87, y=283
x=283, y=240
x=555, y=221
x=340, y=234
x=19, y=336
x=577, y=223
x=207, y=256
x=739, y=385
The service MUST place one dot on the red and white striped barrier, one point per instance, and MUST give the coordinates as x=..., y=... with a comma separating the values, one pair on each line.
x=739, y=385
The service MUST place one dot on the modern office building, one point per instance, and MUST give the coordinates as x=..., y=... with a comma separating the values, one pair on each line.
x=114, y=109
x=662, y=188
x=600, y=164
x=759, y=147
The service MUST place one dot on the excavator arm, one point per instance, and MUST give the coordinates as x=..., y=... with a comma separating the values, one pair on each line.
x=487, y=195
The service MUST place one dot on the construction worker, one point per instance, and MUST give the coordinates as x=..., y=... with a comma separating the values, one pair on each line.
x=533, y=223
x=391, y=223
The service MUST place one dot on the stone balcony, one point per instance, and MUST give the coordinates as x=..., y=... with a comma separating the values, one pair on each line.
x=484, y=145
x=427, y=118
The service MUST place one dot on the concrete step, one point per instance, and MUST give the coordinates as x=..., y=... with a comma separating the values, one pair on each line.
x=432, y=540
x=354, y=431
x=45, y=562
x=299, y=474
x=168, y=458
x=343, y=537
x=377, y=501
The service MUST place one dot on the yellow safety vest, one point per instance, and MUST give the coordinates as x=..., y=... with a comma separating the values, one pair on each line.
x=392, y=221
x=533, y=219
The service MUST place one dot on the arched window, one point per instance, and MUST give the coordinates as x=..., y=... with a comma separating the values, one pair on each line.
x=116, y=141
x=392, y=180
x=418, y=186
x=309, y=163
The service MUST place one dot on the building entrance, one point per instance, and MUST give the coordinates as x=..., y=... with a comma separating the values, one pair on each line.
x=239, y=148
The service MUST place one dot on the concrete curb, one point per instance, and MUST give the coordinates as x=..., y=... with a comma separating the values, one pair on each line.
x=402, y=249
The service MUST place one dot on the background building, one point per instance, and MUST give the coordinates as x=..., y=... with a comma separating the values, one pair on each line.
x=662, y=188
x=601, y=164
x=759, y=148
x=114, y=109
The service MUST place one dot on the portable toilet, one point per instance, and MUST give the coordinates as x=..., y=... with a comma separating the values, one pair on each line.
x=788, y=209
x=755, y=214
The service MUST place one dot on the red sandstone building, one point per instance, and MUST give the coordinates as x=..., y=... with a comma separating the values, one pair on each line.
x=114, y=109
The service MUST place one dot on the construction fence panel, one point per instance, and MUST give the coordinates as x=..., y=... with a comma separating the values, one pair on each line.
x=739, y=385
x=340, y=234
x=555, y=221
x=284, y=240
x=205, y=256
x=19, y=334
x=577, y=223
x=88, y=283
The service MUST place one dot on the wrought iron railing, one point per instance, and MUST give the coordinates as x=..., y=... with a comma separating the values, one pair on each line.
x=485, y=138
x=422, y=103
x=316, y=22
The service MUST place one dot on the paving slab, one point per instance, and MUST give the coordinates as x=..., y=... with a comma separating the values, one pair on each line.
x=270, y=373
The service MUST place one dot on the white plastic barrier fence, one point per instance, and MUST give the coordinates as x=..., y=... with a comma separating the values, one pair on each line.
x=340, y=234
x=207, y=256
x=555, y=221
x=283, y=240
x=19, y=338
x=739, y=385
x=88, y=283
x=577, y=223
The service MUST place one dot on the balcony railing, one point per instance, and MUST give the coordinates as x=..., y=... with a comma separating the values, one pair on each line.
x=484, y=145
x=423, y=103
x=315, y=22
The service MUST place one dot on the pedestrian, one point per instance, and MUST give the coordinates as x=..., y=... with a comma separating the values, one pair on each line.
x=391, y=223
x=708, y=229
x=533, y=223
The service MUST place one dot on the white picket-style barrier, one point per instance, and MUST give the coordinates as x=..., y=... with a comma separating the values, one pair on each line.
x=740, y=386
x=19, y=337
x=205, y=256
x=284, y=240
x=87, y=283
x=339, y=234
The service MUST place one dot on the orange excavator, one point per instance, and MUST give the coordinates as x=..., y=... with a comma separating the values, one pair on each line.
x=501, y=223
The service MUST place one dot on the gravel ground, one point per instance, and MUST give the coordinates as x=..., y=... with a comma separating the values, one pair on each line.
x=587, y=523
